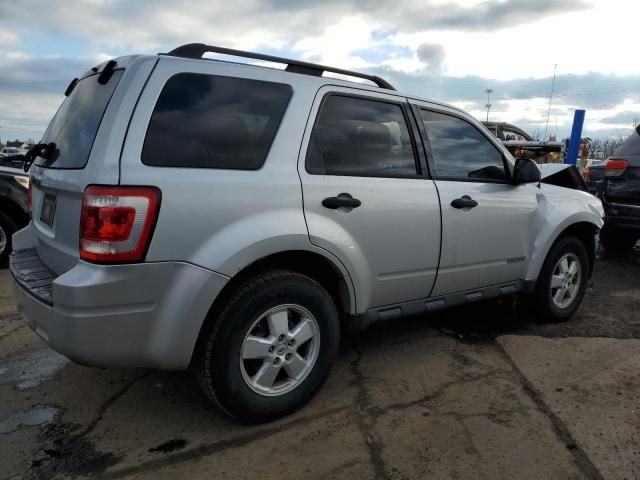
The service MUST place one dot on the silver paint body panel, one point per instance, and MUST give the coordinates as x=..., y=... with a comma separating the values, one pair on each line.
x=215, y=223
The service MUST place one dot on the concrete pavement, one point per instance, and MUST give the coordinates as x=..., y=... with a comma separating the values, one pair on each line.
x=479, y=392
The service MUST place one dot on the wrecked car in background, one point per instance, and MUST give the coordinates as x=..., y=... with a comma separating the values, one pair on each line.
x=617, y=182
x=523, y=145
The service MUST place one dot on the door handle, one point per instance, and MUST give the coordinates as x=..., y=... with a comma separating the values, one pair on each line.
x=464, y=202
x=342, y=200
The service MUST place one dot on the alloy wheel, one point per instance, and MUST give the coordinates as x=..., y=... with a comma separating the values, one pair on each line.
x=280, y=350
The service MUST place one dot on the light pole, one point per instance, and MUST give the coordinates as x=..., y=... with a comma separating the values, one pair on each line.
x=488, y=91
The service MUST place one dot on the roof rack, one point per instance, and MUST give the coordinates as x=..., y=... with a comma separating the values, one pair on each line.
x=197, y=50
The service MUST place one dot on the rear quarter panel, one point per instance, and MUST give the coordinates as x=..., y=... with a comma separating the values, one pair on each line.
x=224, y=220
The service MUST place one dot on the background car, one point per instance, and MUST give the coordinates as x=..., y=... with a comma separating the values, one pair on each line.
x=14, y=207
x=617, y=182
x=12, y=151
x=593, y=176
x=523, y=145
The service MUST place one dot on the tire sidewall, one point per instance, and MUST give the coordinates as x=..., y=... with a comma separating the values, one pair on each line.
x=227, y=380
x=548, y=309
x=9, y=227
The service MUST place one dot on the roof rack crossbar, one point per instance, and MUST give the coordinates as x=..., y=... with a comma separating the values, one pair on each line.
x=197, y=50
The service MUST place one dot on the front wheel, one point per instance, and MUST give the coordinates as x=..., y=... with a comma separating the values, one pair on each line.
x=562, y=281
x=270, y=347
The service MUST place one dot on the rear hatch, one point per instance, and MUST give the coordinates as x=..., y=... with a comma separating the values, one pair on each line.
x=60, y=177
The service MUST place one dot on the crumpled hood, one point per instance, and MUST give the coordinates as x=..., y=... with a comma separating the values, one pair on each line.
x=562, y=175
x=549, y=169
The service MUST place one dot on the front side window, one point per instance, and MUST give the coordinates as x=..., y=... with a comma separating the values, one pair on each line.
x=460, y=151
x=208, y=121
x=360, y=137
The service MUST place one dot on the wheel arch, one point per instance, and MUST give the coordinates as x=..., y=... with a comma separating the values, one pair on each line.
x=583, y=230
x=327, y=272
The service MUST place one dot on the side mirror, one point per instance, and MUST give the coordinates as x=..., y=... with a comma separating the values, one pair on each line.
x=525, y=171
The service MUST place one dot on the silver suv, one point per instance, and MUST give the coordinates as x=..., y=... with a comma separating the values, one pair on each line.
x=233, y=218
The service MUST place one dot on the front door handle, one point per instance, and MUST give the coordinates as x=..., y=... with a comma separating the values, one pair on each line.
x=464, y=202
x=342, y=200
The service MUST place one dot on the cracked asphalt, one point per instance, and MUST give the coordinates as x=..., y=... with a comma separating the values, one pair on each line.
x=483, y=391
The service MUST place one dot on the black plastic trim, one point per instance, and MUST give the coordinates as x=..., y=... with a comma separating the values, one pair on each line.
x=432, y=304
x=33, y=276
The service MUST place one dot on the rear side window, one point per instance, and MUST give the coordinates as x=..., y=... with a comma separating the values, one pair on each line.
x=360, y=137
x=207, y=121
x=75, y=125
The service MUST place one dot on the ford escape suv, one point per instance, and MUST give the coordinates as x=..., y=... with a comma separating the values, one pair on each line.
x=189, y=212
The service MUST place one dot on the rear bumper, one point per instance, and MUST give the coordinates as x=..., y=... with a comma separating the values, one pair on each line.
x=138, y=315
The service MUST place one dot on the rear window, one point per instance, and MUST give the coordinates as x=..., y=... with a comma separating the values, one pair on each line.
x=75, y=125
x=631, y=146
x=208, y=121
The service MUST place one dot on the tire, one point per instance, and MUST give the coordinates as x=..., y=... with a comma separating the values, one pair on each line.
x=7, y=229
x=551, y=304
x=252, y=315
x=614, y=241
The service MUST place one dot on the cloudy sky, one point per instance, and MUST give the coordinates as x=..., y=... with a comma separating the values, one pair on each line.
x=439, y=49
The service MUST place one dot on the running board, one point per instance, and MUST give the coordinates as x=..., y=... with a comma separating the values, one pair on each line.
x=434, y=304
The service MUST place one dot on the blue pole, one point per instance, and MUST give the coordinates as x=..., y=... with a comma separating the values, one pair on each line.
x=576, y=136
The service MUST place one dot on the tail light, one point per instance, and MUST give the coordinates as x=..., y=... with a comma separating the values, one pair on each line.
x=116, y=223
x=615, y=167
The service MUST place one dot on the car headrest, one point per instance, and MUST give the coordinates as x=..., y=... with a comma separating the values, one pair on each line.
x=361, y=132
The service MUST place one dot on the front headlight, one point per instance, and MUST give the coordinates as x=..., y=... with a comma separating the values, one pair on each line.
x=22, y=180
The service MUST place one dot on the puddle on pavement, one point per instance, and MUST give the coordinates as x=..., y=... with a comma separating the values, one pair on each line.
x=38, y=415
x=31, y=368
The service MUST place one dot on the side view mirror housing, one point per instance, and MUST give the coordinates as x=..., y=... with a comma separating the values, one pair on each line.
x=525, y=171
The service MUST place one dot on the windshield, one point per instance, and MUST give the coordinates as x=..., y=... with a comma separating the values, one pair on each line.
x=74, y=127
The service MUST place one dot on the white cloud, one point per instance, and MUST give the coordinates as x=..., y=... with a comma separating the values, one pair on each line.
x=434, y=48
x=8, y=38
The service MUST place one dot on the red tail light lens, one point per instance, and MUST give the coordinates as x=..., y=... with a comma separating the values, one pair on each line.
x=615, y=168
x=117, y=222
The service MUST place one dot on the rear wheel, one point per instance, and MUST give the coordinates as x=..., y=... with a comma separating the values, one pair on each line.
x=562, y=281
x=270, y=348
x=614, y=241
x=7, y=229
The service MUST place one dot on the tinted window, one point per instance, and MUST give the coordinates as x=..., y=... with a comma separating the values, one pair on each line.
x=75, y=125
x=460, y=150
x=214, y=122
x=355, y=136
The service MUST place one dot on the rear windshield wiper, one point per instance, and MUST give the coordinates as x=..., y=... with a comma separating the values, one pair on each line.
x=103, y=78
x=44, y=150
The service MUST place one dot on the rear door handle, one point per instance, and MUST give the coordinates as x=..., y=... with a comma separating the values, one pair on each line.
x=464, y=202
x=342, y=200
